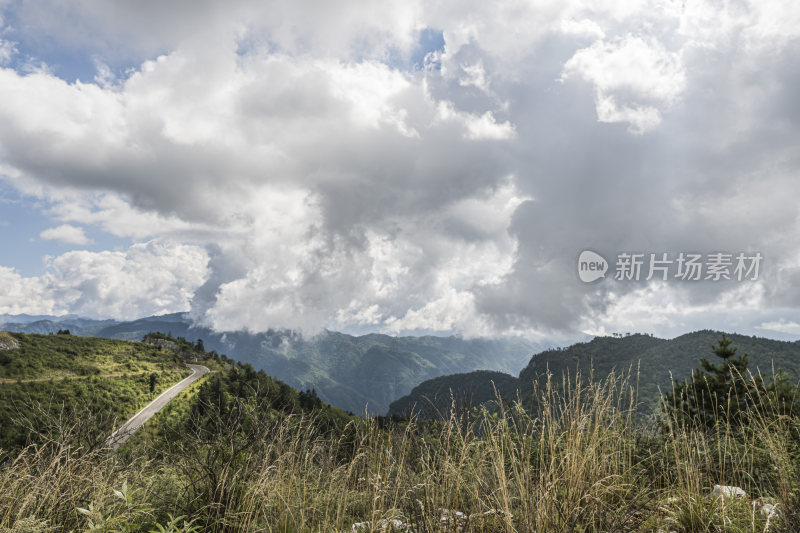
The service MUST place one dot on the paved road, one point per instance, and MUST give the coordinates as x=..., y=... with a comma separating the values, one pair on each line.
x=136, y=421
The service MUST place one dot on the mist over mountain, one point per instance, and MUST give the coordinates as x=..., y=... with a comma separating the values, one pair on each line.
x=362, y=374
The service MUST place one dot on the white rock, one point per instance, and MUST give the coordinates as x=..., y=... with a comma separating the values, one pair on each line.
x=395, y=525
x=499, y=513
x=7, y=342
x=768, y=510
x=726, y=491
x=451, y=520
x=391, y=526
x=447, y=515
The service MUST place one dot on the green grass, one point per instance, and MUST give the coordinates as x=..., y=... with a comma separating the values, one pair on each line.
x=57, y=356
x=52, y=376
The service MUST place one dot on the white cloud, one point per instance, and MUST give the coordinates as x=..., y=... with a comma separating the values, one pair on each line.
x=324, y=185
x=24, y=295
x=582, y=28
x=664, y=308
x=782, y=325
x=486, y=127
x=483, y=127
x=7, y=50
x=631, y=69
x=641, y=118
x=450, y=312
x=114, y=215
x=148, y=278
x=474, y=75
x=259, y=156
x=755, y=26
x=417, y=262
x=67, y=234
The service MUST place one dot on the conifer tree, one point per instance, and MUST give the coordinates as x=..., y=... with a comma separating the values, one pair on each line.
x=717, y=393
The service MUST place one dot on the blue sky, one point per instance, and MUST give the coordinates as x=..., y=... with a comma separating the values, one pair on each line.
x=23, y=220
x=23, y=216
x=300, y=165
x=19, y=229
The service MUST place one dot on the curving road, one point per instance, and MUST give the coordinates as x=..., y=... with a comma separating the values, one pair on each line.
x=136, y=421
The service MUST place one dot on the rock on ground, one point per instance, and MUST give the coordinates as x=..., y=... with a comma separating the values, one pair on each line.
x=728, y=492
x=7, y=341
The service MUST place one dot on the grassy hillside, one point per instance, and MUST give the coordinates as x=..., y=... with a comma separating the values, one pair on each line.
x=236, y=394
x=215, y=428
x=51, y=378
x=357, y=373
x=654, y=363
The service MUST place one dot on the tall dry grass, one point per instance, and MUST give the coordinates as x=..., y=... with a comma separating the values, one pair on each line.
x=579, y=460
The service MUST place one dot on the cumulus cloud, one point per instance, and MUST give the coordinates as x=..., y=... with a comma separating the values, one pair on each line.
x=66, y=233
x=148, y=278
x=313, y=178
x=25, y=295
x=293, y=187
x=782, y=326
x=643, y=75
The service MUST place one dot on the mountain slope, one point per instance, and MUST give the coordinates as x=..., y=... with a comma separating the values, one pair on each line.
x=653, y=362
x=366, y=373
x=43, y=326
x=60, y=377
x=360, y=374
x=434, y=398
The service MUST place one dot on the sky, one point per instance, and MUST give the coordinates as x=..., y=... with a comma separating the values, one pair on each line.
x=402, y=166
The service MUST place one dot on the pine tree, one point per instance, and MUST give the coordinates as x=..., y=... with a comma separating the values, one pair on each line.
x=717, y=393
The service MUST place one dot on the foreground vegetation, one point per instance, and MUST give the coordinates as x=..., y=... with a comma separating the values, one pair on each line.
x=244, y=452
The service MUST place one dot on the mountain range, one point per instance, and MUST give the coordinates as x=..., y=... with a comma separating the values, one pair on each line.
x=379, y=374
x=361, y=374
x=653, y=364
